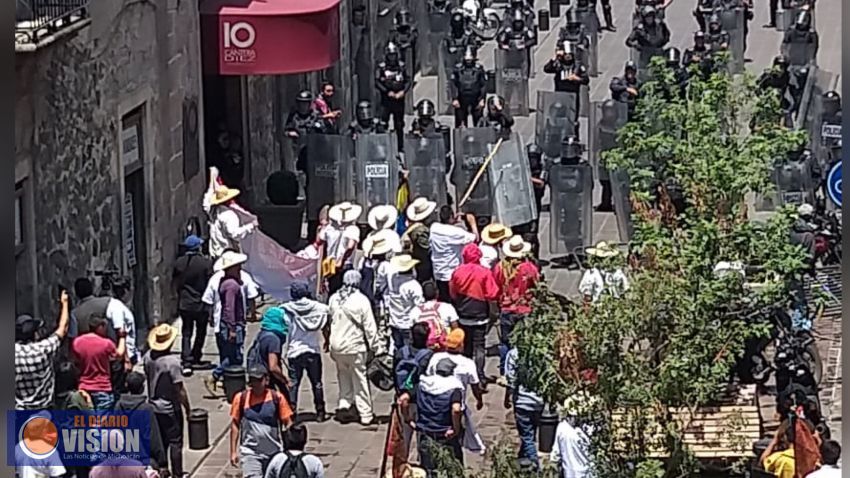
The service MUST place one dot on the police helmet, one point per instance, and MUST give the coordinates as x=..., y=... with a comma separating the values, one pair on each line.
x=673, y=56
x=304, y=96
x=804, y=20
x=364, y=111
x=469, y=55
x=630, y=66
x=571, y=147
x=457, y=19
x=648, y=11
x=533, y=150
x=780, y=61
x=495, y=102
x=403, y=18
x=391, y=52
x=518, y=20
x=714, y=22
x=699, y=37
x=831, y=103
x=425, y=108
x=572, y=17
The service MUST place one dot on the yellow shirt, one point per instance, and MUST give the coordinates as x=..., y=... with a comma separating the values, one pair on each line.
x=781, y=463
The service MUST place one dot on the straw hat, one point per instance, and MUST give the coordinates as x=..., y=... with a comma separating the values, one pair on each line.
x=162, y=337
x=229, y=259
x=420, y=209
x=403, y=262
x=515, y=247
x=495, y=233
x=603, y=249
x=382, y=217
x=345, y=212
x=381, y=242
x=222, y=194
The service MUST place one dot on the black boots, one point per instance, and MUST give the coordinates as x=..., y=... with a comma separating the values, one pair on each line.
x=609, y=18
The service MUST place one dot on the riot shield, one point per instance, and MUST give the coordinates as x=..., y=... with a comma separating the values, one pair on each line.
x=471, y=148
x=571, y=208
x=800, y=51
x=591, y=26
x=437, y=28
x=606, y=119
x=426, y=166
x=448, y=60
x=642, y=58
x=732, y=21
x=621, y=199
x=825, y=122
x=555, y=119
x=510, y=183
x=362, y=53
x=376, y=170
x=794, y=184
x=512, y=80
x=329, y=175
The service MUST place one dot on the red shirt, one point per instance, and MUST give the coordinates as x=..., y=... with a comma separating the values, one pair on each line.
x=515, y=295
x=93, y=354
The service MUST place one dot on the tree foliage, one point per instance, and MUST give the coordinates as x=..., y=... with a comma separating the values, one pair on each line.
x=673, y=339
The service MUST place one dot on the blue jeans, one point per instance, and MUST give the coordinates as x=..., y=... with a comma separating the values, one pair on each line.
x=103, y=400
x=507, y=321
x=229, y=353
x=312, y=364
x=400, y=337
x=527, y=422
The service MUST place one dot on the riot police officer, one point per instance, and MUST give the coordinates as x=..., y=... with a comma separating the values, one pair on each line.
x=497, y=117
x=365, y=122
x=469, y=87
x=519, y=35
x=625, y=89
x=438, y=6
x=459, y=35
x=405, y=36
x=801, y=34
x=569, y=75
x=650, y=33
x=575, y=32
x=776, y=77
x=571, y=151
x=300, y=123
x=674, y=62
x=607, y=13
x=717, y=38
x=510, y=13
x=392, y=83
x=698, y=54
x=424, y=124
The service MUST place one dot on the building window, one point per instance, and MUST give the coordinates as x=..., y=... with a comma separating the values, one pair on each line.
x=19, y=218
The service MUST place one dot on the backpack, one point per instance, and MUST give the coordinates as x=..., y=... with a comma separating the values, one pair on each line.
x=409, y=368
x=436, y=331
x=244, y=400
x=294, y=466
x=254, y=357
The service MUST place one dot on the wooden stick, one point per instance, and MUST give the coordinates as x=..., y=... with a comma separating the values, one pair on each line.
x=479, y=173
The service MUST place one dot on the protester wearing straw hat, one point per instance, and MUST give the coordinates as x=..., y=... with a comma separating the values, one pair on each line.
x=493, y=235
x=226, y=229
x=516, y=276
x=382, y=216
x=339, y=238
x=403, y=294
x=605, y=274
x=231, y=292
x=167, y=392
x=415, y=240
x=377, y=248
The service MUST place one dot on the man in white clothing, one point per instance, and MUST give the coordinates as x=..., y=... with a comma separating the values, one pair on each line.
x=226, y=229
x=830, y=453
x=403, y=294
x=339, y=238
x=447, y=240
x=465, y=369
x=121, y=317
x=604, y=275
x=571, y=449
x=493, y=235
x=434, y=308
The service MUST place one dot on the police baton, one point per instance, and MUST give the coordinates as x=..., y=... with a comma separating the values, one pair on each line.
x=479, y=173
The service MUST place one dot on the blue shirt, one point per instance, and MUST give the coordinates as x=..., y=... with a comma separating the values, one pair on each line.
x=523, y=398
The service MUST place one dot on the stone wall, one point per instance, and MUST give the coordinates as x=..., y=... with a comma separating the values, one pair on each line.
x=71, y=97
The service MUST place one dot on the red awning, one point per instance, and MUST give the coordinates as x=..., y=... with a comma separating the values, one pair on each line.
x=269, y=37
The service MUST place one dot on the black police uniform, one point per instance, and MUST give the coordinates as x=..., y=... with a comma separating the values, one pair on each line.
x=619, y=86
x=562, y=71
x=469, y=88
x=392, y=77
x=303, y=124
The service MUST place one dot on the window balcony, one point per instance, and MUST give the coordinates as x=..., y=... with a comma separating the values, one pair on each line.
x=39, y=22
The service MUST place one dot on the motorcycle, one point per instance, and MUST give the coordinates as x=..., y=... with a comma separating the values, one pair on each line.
x=483, y=20
x=828, y=238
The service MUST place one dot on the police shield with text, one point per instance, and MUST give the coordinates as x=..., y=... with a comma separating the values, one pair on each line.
x=471, y=148
x=625, y=89
x=571, y=193
x=376, y=169
x=301, y=122
x=825, y=130
x=569, y=77
x=794, y=178
x=606, y=120
x=393, y=84
x=648, y=39
x=800, y=44
x=469, y=89
x=512, y=65
x=557, y=118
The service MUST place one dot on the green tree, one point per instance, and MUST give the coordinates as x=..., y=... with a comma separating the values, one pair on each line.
x=674, y=338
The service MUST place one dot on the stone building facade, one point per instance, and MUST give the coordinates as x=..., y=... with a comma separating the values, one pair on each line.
x=109, y=151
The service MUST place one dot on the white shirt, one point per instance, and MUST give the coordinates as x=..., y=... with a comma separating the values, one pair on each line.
x=594, y=282
x=489, y=255
x=571, y=449
x=826, y=471
x=465, y=369
x=446, y=311
x=211, y=297
x=122, y=318
x=335, y=238
x=403, y=294
x=226, y=231
x=447, y=242
x=305, y=326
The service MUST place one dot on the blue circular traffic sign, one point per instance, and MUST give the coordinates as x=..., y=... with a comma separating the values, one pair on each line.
x=833, y=184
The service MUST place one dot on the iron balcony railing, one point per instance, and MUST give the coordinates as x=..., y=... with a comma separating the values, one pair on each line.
x=36, y=19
